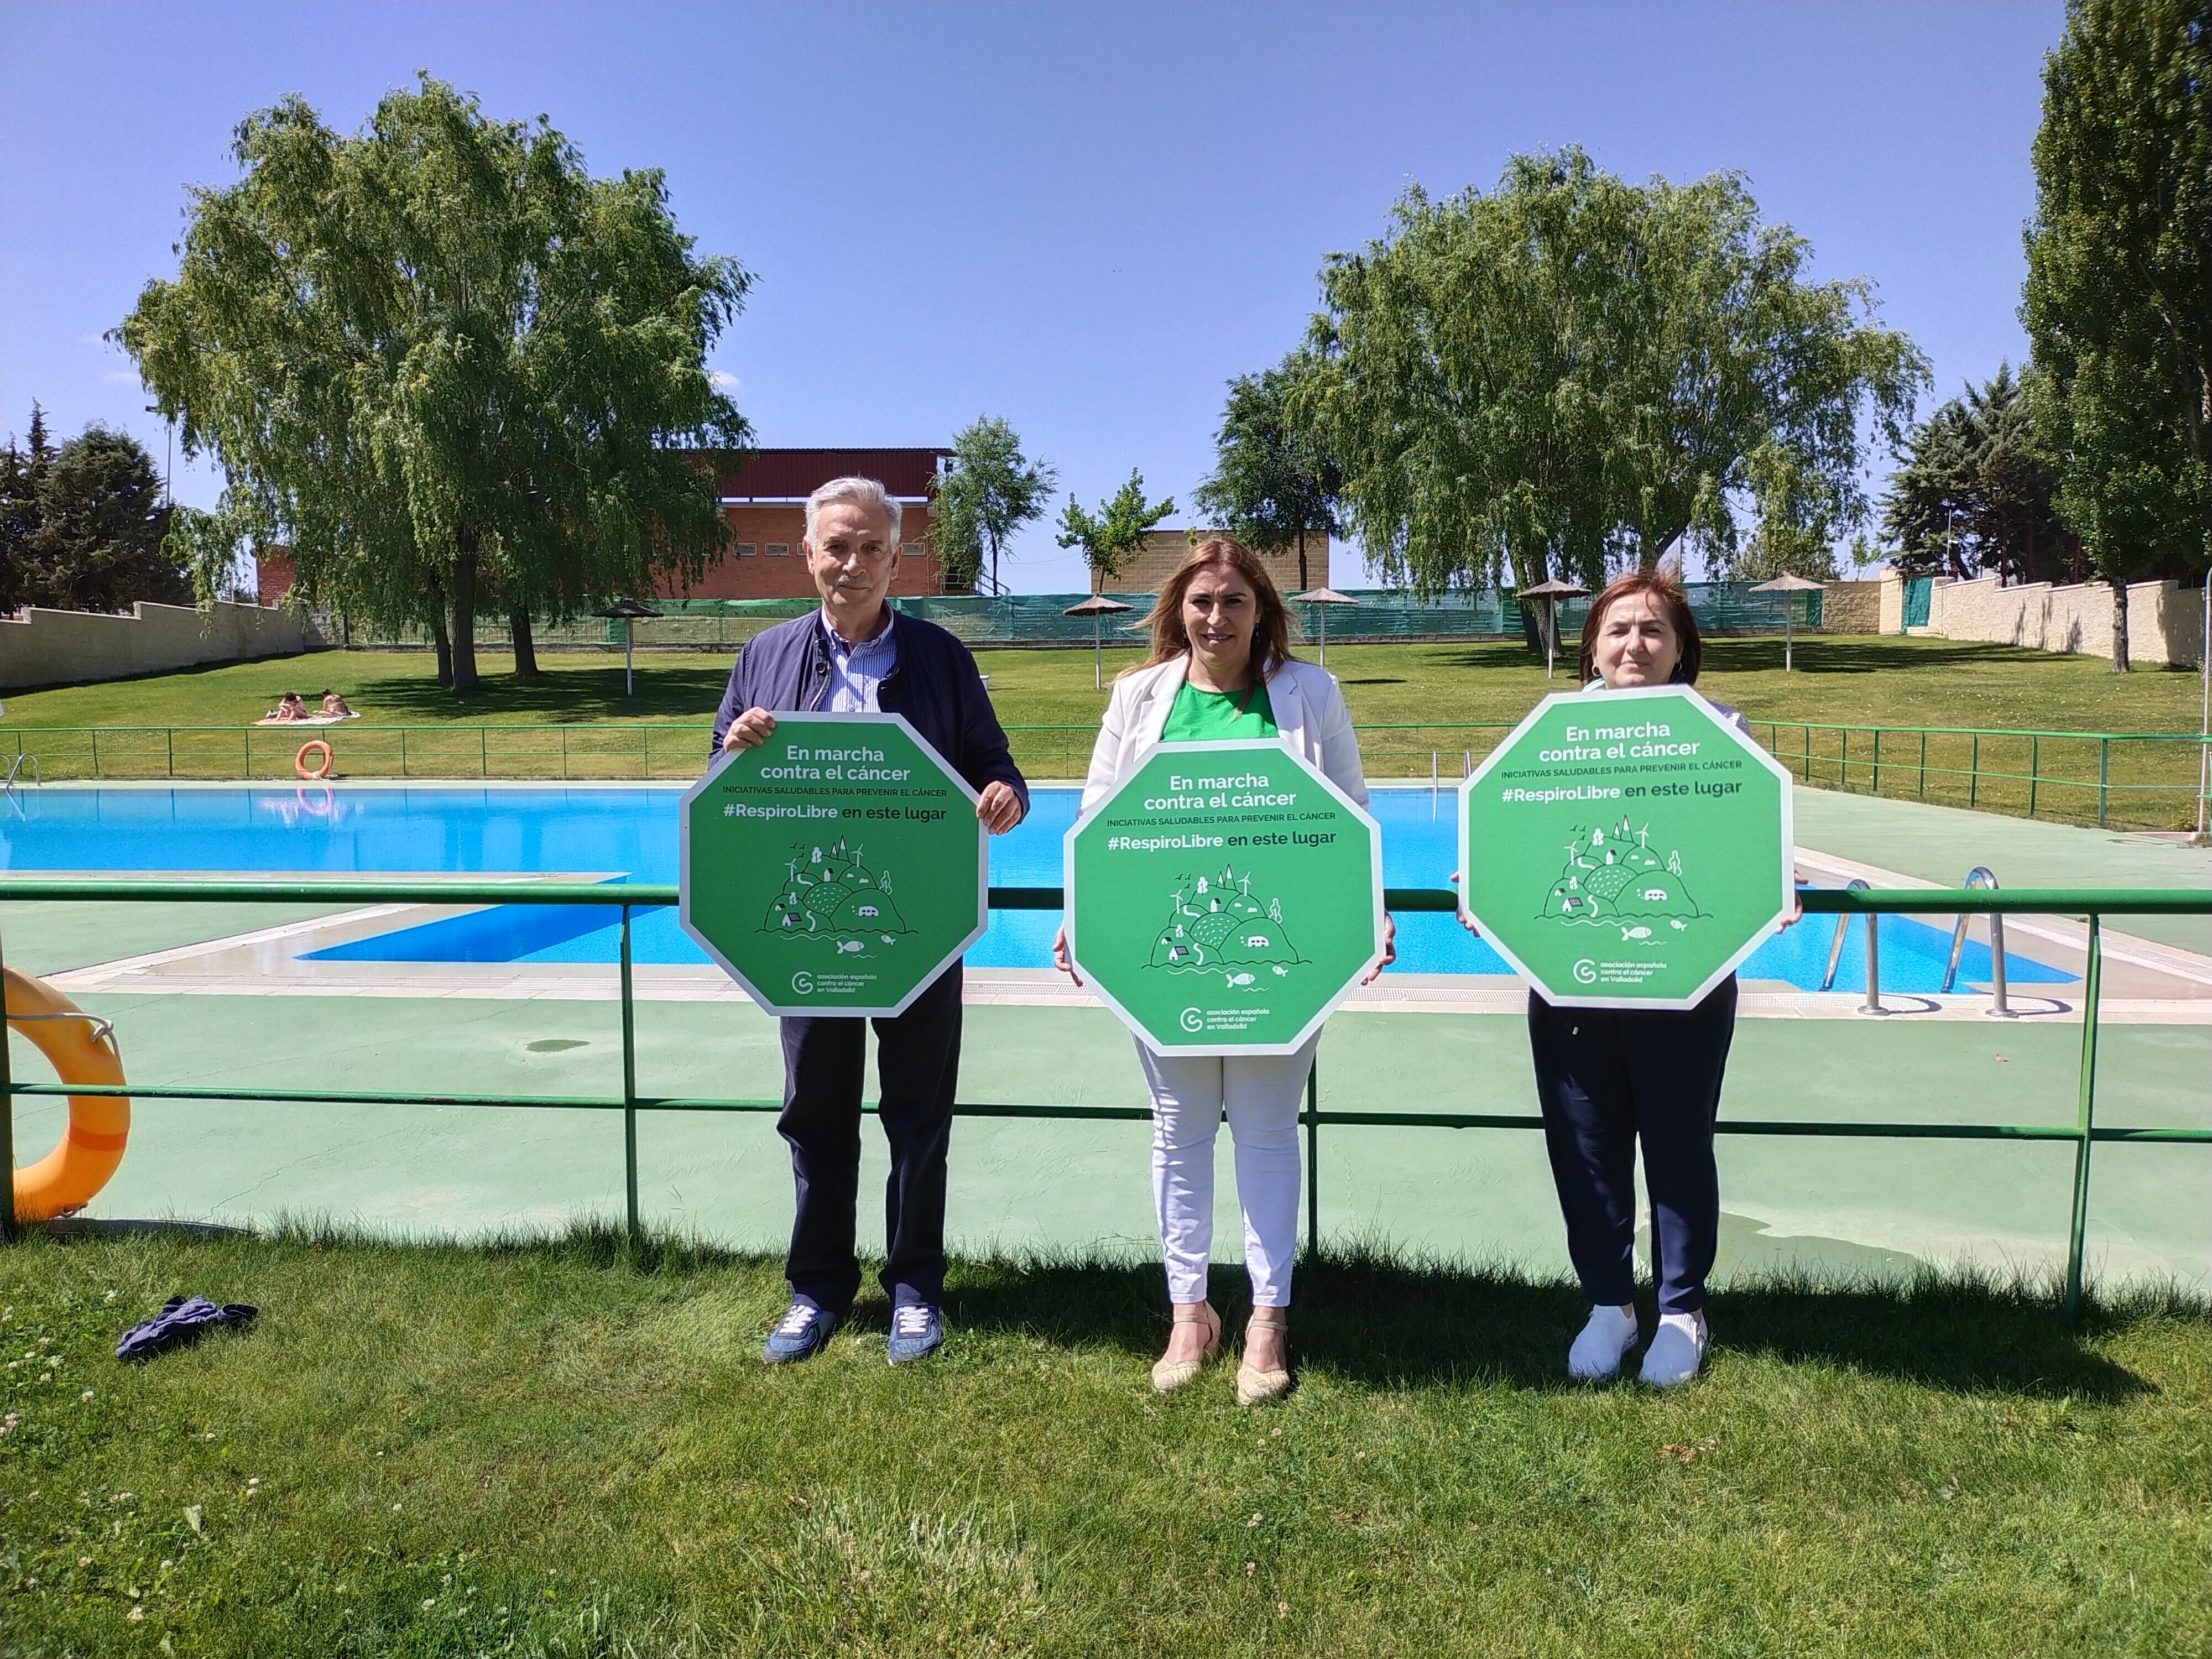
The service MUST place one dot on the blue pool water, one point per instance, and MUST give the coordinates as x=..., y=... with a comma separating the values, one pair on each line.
x=630, y=832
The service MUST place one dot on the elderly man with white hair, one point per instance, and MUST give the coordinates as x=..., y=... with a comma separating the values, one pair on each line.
x=858, y=655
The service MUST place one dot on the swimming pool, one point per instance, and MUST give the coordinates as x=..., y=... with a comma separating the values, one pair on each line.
x=620, y=832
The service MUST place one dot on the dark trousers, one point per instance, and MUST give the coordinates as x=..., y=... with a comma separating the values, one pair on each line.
x=1604, y=1077
x=918, y=1066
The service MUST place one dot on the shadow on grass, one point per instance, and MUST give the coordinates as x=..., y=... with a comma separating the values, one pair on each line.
x=1383, y=1320
x=679, y=688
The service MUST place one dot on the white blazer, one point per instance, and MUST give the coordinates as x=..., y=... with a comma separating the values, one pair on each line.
x=1310, y=720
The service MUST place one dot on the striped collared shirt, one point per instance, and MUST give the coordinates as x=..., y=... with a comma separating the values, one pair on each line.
x=857, y=671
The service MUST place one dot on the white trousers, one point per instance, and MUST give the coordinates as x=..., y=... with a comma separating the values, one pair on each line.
x=1261, y=1095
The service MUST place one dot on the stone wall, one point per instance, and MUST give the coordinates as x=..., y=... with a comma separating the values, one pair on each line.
x=1851, y=608
x=2165, y=620
x=67, y=648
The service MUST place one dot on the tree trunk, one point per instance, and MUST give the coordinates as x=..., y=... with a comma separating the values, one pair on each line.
x=1530, y=571
x=526, y=647
x=1303, y=583
x=2119, y=627
x=441, y=641
x=465, y=615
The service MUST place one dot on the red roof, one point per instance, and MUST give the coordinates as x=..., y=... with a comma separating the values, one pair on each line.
x=790, y=475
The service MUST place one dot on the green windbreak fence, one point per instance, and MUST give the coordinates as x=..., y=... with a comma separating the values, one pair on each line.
x=2084, y=1134
x=2122, y=780
x=1031, y=619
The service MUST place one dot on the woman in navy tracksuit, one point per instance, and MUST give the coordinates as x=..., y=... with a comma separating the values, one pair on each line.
x=1606, y=1076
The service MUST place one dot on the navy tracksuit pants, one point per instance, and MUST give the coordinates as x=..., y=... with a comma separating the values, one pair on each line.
x=1606, y=1077
x=918, y=1067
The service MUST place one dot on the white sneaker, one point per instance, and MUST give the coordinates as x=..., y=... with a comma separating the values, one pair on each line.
x=1678, y=1348
x=1597, y=1352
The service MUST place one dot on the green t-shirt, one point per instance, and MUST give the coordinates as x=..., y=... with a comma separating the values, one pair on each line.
x=1197, y=716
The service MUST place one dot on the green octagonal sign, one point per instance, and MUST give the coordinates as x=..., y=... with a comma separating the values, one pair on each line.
x=837, y=868
x=1626, y=849
x=1224, y=898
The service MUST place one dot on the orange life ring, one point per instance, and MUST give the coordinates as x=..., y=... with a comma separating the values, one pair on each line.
x=82, y=1050
x=299, y=761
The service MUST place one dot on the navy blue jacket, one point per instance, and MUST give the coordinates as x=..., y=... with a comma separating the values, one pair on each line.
x=934, y=684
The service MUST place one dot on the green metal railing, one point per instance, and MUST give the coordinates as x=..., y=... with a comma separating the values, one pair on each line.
x=2140, y=780
x=2156, y=782
x=2082, y=1134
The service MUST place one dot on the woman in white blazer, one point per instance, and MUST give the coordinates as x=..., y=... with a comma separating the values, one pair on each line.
x=1220, y=667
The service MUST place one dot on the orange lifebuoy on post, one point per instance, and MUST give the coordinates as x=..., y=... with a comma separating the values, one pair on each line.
x=81, y=1047
x=299, y=761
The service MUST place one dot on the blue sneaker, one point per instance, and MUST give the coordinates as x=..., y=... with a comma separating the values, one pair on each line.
x=804, y=1333
x=917, y=1331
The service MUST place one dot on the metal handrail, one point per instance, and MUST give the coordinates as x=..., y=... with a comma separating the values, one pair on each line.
x=1836, y=943
x=16, y=766
x=626, y=896
x=1983, y=877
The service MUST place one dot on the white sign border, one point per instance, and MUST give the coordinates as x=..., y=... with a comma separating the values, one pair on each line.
x=1202, y=1051
x=814, y=1011
x=1743, y=740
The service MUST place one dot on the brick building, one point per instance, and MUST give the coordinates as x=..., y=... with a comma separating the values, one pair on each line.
x=763, y=503
x=1147, y=572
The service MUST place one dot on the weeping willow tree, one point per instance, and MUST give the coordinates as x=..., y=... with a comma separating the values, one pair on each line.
x=1571, y=371
x=446, y=368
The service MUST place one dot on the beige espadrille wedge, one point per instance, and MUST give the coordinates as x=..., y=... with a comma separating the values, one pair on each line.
x=1168, y=1375
x=1257, y=1388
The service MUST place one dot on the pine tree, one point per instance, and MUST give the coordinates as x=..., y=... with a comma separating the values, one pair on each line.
x=84, y=527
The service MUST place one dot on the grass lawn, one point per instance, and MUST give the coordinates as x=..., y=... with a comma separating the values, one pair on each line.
x=1857, y=679
x=561, y=1448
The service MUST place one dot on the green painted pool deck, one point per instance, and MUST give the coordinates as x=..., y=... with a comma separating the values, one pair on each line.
x=1838, y=1205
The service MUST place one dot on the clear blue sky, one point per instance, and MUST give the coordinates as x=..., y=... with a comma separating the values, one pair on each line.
x=1083, y=218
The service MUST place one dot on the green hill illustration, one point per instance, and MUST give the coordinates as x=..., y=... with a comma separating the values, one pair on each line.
x=1613, y=875
x=1216, y=927
x=829, y=893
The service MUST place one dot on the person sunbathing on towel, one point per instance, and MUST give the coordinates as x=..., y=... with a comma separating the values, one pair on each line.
x=334, y=706
x=292, y=709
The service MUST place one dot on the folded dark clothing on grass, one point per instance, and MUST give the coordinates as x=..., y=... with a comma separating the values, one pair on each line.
x=181, y=1320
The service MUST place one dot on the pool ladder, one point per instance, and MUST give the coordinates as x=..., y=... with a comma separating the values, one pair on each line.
x=16, y=766
x=1982, y=878
x=1873, y=1003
